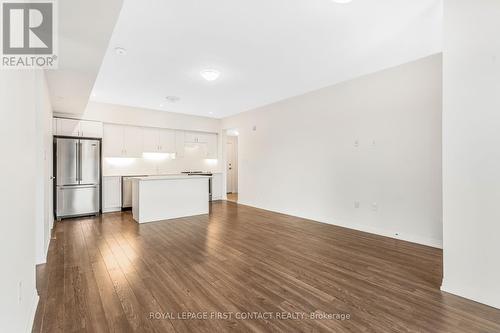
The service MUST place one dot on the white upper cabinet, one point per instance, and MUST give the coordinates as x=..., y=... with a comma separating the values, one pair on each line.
x=77, y=128
x=91, y=129
x=132, y=141
x=208, y=141
x=67, y=127
x=151, y=140
x=122, y=141
x=112, y=142
x=179, y=143
x=167, y=141
x=195, y=137
x=158, y=140
x=211, y=146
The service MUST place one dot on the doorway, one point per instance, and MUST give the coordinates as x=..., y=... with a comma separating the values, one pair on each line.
x=232, y=167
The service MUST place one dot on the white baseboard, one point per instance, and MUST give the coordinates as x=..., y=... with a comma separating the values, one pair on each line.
x=111, y=210
x=436, y=243
x=468, y=295
x=31, y=318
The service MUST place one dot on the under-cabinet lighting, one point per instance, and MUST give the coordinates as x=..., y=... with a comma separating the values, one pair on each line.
x=211, y=161
x=158, y=156
x=119, y=161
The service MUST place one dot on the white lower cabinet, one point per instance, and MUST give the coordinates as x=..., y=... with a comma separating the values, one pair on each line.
x=217, y=186
x=111, y=194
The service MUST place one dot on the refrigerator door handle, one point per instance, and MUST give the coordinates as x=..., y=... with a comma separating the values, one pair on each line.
x=77, y=162
x=76, y=187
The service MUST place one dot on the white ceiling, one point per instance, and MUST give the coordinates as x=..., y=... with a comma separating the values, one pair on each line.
x=266, y=50
x=85, y=28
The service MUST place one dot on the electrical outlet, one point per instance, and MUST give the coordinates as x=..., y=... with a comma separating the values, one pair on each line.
x=254, y=128
x=374, y=206
x=356, y=143
x=356, y=204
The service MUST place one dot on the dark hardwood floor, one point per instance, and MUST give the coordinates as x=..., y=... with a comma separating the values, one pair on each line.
x=109, y=274
x=232, y=197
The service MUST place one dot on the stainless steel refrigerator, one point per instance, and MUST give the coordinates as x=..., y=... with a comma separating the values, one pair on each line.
x=78, y=177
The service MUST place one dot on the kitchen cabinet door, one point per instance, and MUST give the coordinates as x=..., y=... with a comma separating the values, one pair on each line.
x=167, y=141
x=195, y=137
x=190, y=137
x=217, y=186
x=132, y=141
x=112, y=194
x=179, y=143
x=67, y=127
x=151, y=139
x=212, y=146
x=90, y=129
x=112, y=141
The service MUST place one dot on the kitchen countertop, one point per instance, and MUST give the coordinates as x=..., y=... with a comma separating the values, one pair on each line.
x=143, y=175
x=168, y=177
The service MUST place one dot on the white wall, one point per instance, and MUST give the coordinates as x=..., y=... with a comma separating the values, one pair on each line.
x=19, y=198
x=471, y=150
x=119, y=114
x=45, y=215
x=302, y=159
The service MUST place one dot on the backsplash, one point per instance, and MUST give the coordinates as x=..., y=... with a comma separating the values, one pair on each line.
x=193, y=159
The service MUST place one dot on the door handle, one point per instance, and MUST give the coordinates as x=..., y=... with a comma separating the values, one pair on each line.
x=77, y=164
x=80, y=161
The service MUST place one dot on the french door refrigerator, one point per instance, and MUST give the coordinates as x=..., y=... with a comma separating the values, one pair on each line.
x=78, y=177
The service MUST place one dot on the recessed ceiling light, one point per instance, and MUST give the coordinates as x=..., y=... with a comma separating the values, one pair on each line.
x=172, y=99
x=341, y=1
x=120, y=51
x=210, y=74
x=210, y=112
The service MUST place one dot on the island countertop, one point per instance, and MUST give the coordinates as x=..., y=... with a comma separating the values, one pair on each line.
x=158, y=198
x=167, y=177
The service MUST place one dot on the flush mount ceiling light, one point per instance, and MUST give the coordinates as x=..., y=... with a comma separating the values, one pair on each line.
x=210, y=74
x=172, y=99
x=120, y=51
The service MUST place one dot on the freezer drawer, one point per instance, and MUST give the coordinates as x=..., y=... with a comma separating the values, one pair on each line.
x=77, y=200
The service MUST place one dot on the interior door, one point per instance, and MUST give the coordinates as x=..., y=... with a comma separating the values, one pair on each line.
x=89, y=166
x=67, y=161
x=230, y=169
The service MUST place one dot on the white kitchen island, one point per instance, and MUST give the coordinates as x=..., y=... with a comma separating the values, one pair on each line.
x=157, y=198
